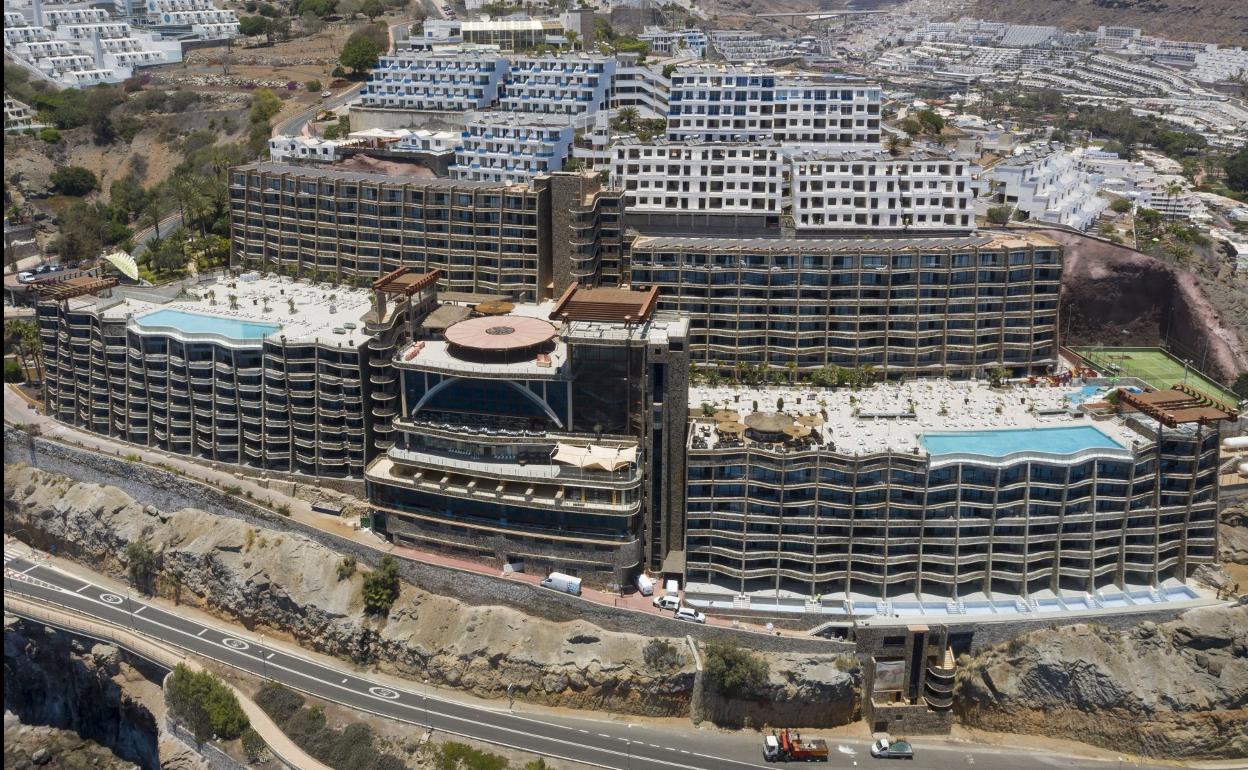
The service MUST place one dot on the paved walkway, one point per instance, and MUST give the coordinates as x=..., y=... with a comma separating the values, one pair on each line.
x=18, y=410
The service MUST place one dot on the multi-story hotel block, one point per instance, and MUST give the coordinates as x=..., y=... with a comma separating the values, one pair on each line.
x=512, y=148
x=664, y=42
x=829, y=192
x=445, y=80
x=871, y=190
x=714, y=177
x=751, y=104
x=569, y=84
x=953, y=307
x=272, y=373
x=1048, y=185
x=550, y=435
x=481, y=237
x=843, y=501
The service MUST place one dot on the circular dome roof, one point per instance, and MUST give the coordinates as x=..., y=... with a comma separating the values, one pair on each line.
x=508, y=332
x=769, y=422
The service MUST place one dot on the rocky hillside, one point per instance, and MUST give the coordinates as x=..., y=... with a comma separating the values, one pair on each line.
x=1212, y=21
x=90, y=697
x=1114, y=295
x=1174, y=690
x=290, y=585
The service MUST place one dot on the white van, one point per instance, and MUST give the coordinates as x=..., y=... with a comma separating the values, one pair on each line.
x=645, y=585
x=561, y=582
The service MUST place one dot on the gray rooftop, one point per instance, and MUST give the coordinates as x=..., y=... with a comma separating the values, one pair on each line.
x=330, y=172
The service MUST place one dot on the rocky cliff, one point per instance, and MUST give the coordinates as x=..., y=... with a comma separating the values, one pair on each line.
x=27, y=746
x=1114, y=295
x=290, y=585
x=1175, y=690
x=52, y=679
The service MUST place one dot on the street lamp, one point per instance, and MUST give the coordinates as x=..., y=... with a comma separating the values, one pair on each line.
x=130, y=608
x=425, y=692
x=264, y=662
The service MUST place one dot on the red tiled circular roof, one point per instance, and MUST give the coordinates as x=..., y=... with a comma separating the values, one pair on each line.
x=507, y=332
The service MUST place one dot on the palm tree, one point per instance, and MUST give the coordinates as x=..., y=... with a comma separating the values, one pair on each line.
x=153, y=211
x=627, y=118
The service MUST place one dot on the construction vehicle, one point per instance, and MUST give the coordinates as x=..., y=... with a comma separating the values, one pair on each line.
x=789, y=746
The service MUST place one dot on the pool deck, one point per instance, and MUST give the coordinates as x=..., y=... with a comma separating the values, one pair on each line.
x=314, y=319
x=896, y=416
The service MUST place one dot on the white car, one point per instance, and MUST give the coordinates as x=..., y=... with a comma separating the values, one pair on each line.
x=666, y=602
x=690, y=614
x=326, y=94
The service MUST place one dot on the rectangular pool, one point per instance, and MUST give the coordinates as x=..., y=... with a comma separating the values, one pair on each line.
x=999, y=443
x=197, y=323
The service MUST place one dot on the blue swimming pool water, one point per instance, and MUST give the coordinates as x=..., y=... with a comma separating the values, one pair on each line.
x=1083, y=394
x=195, y=323
x=998, y=443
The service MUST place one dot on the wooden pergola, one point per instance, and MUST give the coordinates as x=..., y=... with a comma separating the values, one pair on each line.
x=1181, y=404
x=73, y=287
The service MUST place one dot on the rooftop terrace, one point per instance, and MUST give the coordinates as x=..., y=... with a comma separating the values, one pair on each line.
x=329, y=315
x=940, y=418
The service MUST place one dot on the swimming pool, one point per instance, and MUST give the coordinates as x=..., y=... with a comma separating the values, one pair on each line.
x=196, y=323
x=999, y=443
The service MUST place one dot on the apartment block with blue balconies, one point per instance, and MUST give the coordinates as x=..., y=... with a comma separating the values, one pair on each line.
x=577, y=84
x=512, y=148
x=450, y=80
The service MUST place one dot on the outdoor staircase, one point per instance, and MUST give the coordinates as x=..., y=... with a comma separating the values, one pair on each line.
x=938, y=685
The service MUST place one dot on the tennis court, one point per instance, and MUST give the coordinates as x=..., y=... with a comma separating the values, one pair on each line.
x=1153, y=365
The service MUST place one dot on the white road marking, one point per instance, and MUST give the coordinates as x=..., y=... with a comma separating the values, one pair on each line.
x=140, y=609
x=722, y=762
x=84, y=587
x=269, y=656
x=202, y=631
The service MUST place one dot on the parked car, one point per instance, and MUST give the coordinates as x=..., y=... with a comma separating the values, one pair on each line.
x=666, y=602
x=645, y=585
x=690, y=614
x=326, y=94
x=886, y=748
x=25, y=276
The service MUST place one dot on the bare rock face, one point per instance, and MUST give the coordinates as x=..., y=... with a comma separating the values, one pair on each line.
x=1175, y=690
x=53, y=680
x=38, y=745
x=1233, y=534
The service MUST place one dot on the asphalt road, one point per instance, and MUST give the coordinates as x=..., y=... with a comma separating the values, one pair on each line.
x=597, y=742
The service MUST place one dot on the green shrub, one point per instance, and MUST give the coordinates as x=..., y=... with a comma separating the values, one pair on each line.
x=313, y=86
x=279, y=701
x=346, y=567
x=12, y=371
x=661, y=654
x=734, y=671
x=381, y=587
x=74, y=180
x=253, y=745
x=206, y=704
x=141, y=564
x=999, y=215
x=460, y=756
x=50, y=135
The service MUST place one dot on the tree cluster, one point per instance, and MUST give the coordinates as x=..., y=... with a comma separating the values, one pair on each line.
x=733, y=671
x=381, y=587
x=205, y=705
x=354, y=747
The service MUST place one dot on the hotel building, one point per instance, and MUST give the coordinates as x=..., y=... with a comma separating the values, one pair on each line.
x=550, y=435
x=951, y=307
x=569, y=84
x=445, y=80
x=272, y=373
x=723, y=178
x=481, y=237
x=752, y=104
x=512, y=148
x=935, y=497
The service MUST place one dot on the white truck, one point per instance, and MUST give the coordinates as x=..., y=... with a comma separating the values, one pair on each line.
x=561, y=582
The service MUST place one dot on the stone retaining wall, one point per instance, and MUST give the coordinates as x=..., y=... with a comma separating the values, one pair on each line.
x=169, y=491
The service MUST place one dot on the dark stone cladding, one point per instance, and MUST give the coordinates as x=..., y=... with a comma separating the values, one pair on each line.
x=168, y=491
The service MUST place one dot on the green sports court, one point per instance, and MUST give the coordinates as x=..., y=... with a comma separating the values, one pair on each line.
x=1156, y=366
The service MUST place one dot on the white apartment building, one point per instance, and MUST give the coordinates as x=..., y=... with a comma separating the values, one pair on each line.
x=641, y=86
x=714, y=177
x=1171, y=196
x=307, y=148
x=749, y=104
x=458, y=79
x=740, y=47
x=866, y=190
x=1049, y=186
x=512, y=148
x=568, y=84
x=1220, y=65
x=17, y=116
x=77, y=45
x=664, y=42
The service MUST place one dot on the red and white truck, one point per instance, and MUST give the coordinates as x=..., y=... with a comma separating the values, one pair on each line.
x=789, y=746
